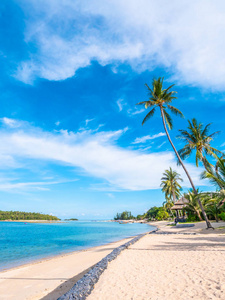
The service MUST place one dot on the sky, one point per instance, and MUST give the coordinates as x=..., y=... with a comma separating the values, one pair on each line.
x=72, y=71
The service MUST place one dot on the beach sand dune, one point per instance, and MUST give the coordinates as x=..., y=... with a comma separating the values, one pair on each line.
x=161, y=266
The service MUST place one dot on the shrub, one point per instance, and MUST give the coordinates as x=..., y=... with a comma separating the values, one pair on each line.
x=162, y=215
x=222, y=216
x=192, y=218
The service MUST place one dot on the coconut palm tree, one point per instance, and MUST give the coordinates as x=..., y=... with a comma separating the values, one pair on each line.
x=198, y=140
x=193, y=204
x=162, y=98
x=216, y=176
x=213, y=208
x=170, y=185
x=168, y=204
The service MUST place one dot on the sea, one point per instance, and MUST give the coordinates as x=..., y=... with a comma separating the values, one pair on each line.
x=22, y=242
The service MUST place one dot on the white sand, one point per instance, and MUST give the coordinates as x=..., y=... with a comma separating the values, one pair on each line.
x=156, y=267
x=52, y=277
x=167, y=267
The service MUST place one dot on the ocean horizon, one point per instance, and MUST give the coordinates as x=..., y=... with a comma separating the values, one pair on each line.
x=23, y=242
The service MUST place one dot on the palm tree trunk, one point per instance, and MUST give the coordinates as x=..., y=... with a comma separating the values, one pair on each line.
x=189, y=177
x=174, y=196
x=199, y=216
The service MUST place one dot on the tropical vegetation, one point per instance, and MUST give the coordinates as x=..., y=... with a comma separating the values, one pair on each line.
x=170, y=185
x=125, y=215
x=21, y=215
x=161, y=98
x=197, y=139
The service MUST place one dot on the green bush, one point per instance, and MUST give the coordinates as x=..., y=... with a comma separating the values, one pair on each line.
x=192, y=218
x=162, y=215
x=222, y=216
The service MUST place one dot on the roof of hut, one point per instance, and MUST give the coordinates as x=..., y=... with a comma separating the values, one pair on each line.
x=180, y=204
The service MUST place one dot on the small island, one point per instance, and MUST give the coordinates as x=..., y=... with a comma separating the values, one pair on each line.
x=25, y=216
x=72, y=219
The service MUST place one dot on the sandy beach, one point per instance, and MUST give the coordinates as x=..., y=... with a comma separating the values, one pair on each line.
x=158, y=266
x=49, y=279
x=167, y=266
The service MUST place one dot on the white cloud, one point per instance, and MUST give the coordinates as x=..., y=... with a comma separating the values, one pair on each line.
x=187, y=37
x=11, y=122
x=136, y=111
x=57, y=123
x=88, y=121
x=121, y=104
x=161, y=145
x=145, y=138
x=95, y=153
x=12, y=186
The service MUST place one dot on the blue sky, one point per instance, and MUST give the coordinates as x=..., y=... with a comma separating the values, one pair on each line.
x=72, y=143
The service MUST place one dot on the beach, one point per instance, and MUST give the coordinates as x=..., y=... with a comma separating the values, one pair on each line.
x=171, y=263
x=167, y=266
x=49, y=279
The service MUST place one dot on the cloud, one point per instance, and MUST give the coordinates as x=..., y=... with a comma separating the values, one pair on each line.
x=96, y=154
x=12, y=186
x=57, y=123
x=161, y=145
x=88, y=121
x=136, y=111
x=145, y=138
x=11, y=122
x=121, y=104
x=186, y=37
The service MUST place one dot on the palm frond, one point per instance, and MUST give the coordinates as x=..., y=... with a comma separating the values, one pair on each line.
x=148, y=116
x=175, y=111
x=168, y=119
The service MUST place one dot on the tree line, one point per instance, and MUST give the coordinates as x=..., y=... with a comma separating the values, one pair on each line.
x=20, y=215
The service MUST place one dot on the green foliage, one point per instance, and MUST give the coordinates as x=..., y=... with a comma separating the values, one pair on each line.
x=162, y=215
x=193, y=205
x=152, y=212
x=159, y=97
x=216, y=176
x=192, y=218
x=222, y=216
x=72, y=219
x=197, y=139
x=125, y=215
x=140, y=217
x=170, y=185
x=20, y=215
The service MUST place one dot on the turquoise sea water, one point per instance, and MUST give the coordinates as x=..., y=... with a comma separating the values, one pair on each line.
x=25, y=242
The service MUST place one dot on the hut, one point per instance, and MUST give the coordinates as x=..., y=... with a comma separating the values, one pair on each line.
x=178, y=207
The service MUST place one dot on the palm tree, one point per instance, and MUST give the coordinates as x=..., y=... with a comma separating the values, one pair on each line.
x=197, y=139
x=213, y=208
x=161, y=98
x=193, y=204
x=170, y=185
x=216, y=176
x=168, y=204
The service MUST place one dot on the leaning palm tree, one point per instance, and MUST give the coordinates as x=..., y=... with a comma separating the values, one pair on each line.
x=162, y=98
x=198, y=140
x=170, y=185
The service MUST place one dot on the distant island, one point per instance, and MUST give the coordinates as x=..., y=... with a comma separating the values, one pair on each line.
x=72, y=219
x=21, y=215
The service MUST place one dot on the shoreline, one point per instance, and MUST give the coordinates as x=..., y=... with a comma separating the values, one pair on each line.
x=69, y=252
x=35, y=269
x=53, y=275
